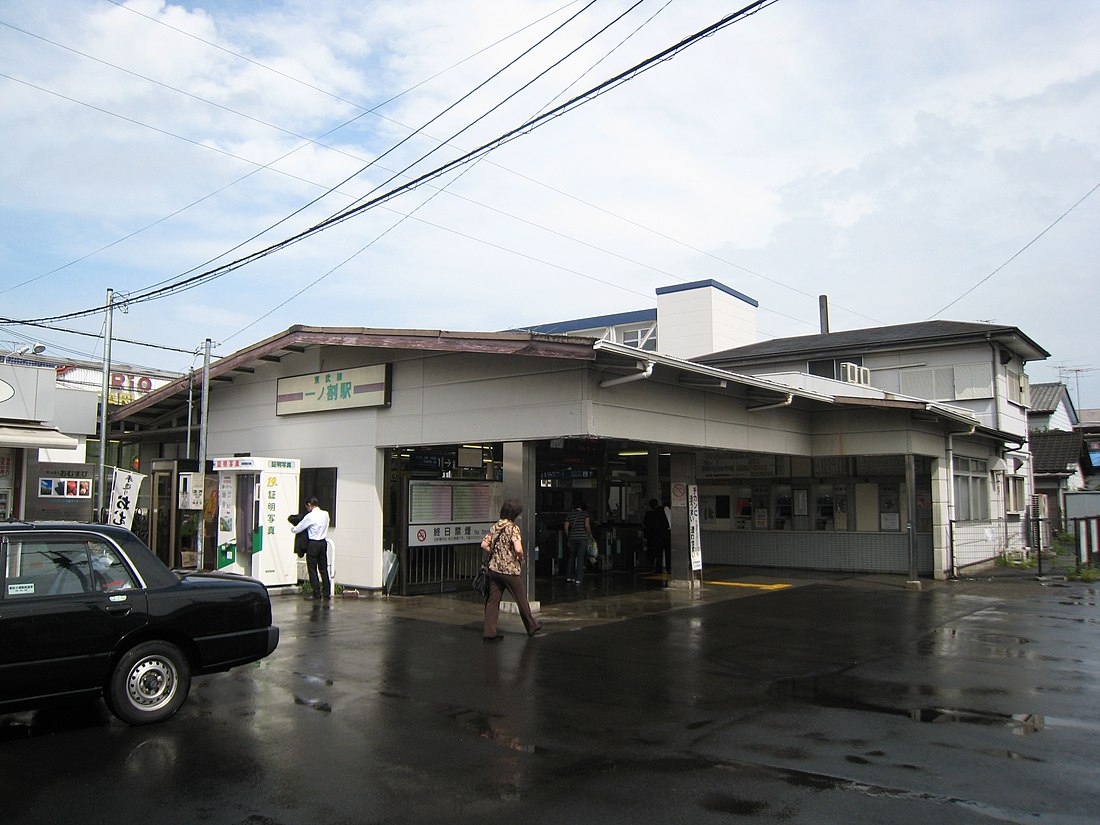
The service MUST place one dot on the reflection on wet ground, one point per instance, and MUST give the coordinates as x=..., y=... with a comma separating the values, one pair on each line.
x=606, y=596
x=51, y=720
x=800, y=698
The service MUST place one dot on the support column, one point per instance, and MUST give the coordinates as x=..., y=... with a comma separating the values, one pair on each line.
x=681, y=474
x=911, y=527
x=520, y=482
x=653, y=475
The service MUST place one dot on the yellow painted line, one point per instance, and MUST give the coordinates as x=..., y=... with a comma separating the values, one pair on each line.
x=756, y=586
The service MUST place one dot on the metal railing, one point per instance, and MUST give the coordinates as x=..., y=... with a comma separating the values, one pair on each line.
x=438, y=569
x=1086, y=535
x=978, y=542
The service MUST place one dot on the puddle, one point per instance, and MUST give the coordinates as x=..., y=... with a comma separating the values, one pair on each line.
x=315, y=704
x=840, y=693
x=313, y=680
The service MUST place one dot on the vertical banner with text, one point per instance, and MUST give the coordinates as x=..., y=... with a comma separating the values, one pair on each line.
x=695, y=538
x=124, y=494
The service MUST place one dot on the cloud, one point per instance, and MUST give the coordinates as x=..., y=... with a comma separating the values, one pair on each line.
x=890, y=155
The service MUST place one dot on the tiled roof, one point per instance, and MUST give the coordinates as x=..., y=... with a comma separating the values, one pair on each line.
x=1054, y=450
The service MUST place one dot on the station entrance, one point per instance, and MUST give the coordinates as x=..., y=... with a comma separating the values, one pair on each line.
x=440, y=500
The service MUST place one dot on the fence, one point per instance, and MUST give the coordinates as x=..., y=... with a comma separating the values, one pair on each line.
x=978, y=542
x=1086, y=533
x=1028, y=544
x=438, y=569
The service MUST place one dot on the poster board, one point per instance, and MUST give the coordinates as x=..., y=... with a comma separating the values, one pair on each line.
x=449, y=511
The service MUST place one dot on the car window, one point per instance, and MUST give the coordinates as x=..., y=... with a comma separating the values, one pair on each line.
x=109, y=573
x=57, y=567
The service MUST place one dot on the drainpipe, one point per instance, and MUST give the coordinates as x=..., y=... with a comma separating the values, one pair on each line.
x=784, y=403
x=646, y=372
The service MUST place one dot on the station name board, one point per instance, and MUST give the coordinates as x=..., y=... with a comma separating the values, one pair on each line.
x=334, y=390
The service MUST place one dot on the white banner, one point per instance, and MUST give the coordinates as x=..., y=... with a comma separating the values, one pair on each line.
x=695, y=538
x=124, y=494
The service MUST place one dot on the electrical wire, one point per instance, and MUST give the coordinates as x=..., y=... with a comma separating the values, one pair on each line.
x=446, y=187
x=364, y=110
x=234, y=265
x=519, y=131
x=1018, y=252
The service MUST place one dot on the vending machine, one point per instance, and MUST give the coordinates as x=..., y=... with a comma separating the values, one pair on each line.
x=255, y=498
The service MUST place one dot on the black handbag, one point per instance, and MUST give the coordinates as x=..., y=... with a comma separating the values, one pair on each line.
x=481, y=581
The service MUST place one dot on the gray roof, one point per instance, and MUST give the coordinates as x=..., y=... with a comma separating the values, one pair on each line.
x=1045, y=397
x=1055, y=451
x=892, y=337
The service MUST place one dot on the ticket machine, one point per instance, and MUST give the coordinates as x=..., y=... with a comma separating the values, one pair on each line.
x=255, y=498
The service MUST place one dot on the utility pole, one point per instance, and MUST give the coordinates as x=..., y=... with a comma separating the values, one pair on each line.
x=101, y=492
x=204, y=420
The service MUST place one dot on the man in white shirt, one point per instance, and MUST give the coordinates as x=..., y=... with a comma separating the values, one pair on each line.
x=315, y=523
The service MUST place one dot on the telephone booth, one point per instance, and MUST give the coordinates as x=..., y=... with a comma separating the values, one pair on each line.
x=255, y=498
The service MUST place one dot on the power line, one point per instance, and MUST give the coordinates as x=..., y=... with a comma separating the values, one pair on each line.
x=38, y=325
x=449, y=184
x=364, y=110
x=1018, y=252
x=519, y=131
x=372, y=162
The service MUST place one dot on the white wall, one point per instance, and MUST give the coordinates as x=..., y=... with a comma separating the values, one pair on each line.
x=702, y=320
x=456, y=398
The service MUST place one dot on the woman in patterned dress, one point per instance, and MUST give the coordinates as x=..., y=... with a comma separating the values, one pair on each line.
x=505, y=545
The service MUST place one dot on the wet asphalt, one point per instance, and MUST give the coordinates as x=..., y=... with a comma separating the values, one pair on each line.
x=762, y=697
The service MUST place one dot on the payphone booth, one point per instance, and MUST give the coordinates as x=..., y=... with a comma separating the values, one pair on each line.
x=255, y=498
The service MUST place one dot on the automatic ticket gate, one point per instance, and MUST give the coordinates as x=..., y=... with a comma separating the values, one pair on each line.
x=255, y=498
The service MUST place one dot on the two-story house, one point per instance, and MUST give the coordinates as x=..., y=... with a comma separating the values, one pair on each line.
x=1057, y=449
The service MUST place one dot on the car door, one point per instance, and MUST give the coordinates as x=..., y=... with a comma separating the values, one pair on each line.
x=66, y=601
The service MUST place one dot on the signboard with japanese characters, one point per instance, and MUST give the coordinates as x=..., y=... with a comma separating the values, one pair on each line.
x=124, y=495
x=334, y=390
x=64, y=492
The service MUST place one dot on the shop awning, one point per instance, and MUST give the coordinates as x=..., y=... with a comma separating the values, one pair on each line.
x=30, y=435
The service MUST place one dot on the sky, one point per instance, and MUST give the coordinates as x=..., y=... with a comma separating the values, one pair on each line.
x=911, y=161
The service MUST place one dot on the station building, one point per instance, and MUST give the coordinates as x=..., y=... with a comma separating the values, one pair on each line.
x=411, y=438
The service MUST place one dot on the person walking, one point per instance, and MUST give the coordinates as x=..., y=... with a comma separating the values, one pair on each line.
x=578, y=529
x=504, y=544
x=315, y=525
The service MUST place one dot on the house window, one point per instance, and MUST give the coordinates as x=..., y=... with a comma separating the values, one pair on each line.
x=830, y=367
x=1014, y=494
x=644, y=338
x=971, y=490
x=320, y=482
x=1017, y=389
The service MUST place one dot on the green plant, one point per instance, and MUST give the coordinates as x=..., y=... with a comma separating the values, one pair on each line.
x=1085, y=574
x=1062, y=543
x=1005, y=560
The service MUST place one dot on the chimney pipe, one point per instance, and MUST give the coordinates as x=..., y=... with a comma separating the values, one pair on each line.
x=823, y=309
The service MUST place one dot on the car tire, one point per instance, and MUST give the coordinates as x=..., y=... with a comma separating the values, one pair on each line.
x=149, y=683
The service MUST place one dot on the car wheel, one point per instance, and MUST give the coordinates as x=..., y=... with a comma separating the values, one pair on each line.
x=149, y=683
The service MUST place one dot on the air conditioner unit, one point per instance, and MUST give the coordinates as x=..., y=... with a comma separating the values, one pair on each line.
x=855, y=374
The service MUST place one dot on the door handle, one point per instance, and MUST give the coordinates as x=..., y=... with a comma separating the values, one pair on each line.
x=118, y=609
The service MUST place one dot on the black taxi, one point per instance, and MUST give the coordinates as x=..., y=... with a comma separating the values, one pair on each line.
x=88, y=609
